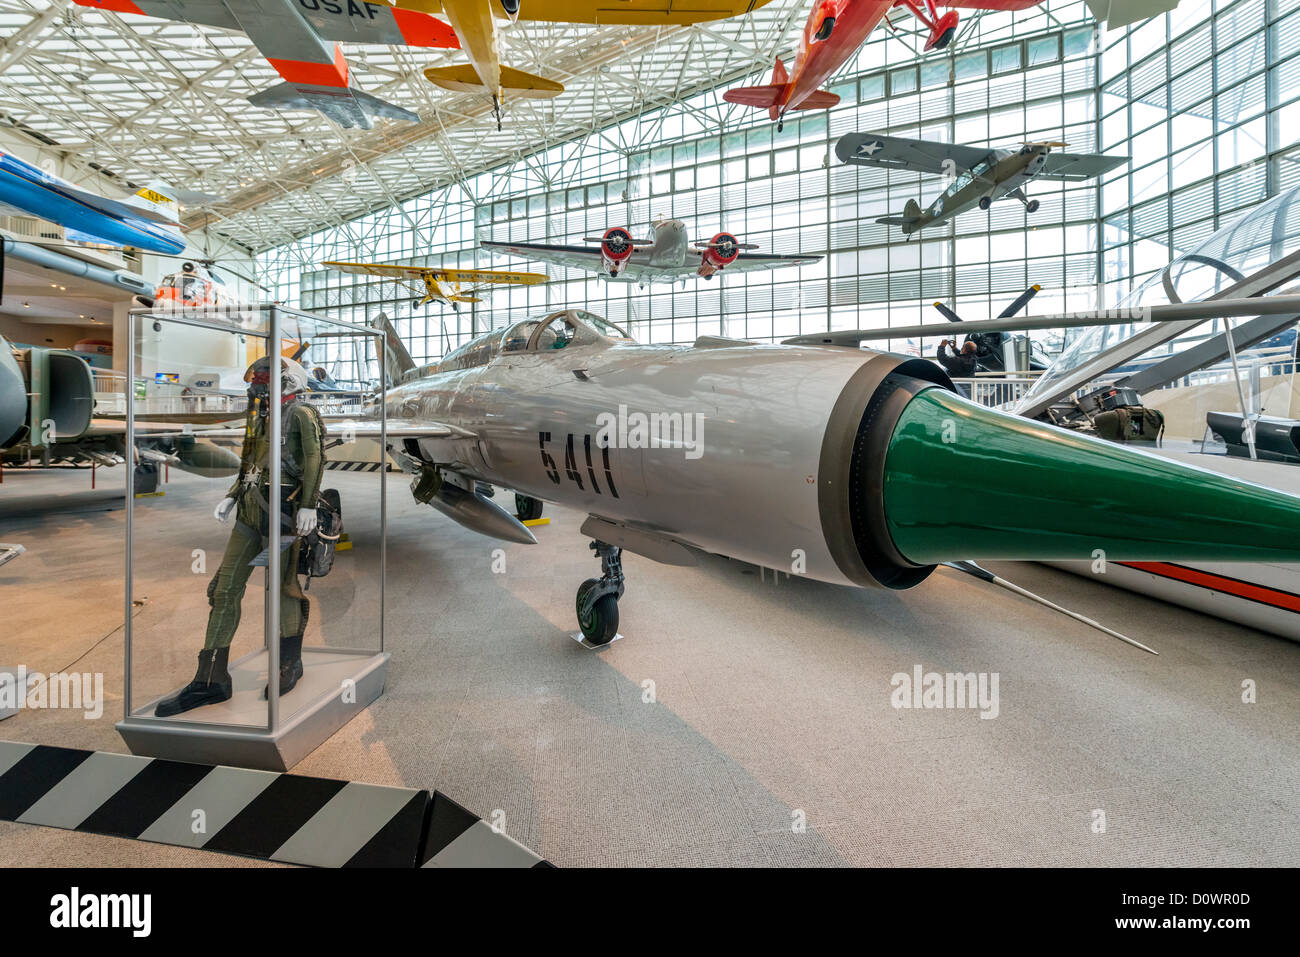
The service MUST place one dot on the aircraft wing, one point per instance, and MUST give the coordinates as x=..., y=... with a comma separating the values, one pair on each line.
x=473, y=277
x=395, y=26
x=207, y=13
x=918, y=156
x=1076, y=167
x=1120, y=13
x=399, y=427
x=613, y=12
x=1164, y=312
x=748, y=262
x=578, y=257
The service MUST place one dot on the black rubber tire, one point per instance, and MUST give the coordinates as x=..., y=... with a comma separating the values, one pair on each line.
x=945, y=38
x=985, y=202
x=600, y=627
x=1032, y=206
x=145, y=479
x=527, y=508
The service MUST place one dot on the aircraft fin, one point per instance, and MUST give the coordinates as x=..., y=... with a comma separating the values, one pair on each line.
x=159, y=199
x=397, y=360
x=463, y=78
x=911, y=213
x=780, y=77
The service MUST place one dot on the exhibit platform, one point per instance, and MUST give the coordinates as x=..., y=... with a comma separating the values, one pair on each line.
x=335, y=686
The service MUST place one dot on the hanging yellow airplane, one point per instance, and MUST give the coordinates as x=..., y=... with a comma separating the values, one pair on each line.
x=452, y=286
x=473, y=22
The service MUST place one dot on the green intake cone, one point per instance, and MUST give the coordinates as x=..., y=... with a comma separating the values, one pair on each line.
x=965, y=482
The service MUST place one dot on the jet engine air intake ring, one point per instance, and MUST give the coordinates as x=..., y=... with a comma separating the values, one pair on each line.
x=867, y=484
x=852, y=469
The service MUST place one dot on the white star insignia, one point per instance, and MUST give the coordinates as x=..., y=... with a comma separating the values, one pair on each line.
x=870, y=149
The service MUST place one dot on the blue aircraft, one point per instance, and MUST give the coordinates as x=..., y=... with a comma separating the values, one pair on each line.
x=148, y=220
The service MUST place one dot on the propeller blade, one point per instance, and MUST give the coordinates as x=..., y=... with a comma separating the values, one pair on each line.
x=947, y=313
x=1020, y=302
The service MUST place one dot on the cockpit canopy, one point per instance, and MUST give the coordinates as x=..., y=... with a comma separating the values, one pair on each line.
x=559, y=330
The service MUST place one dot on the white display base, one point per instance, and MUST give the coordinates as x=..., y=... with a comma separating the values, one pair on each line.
x=577, y=636
x=334, y=687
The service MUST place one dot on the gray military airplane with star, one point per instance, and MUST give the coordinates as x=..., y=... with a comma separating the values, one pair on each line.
x=978, y=175
x=668, y=256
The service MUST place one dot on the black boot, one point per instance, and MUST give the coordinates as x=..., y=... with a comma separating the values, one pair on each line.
x=290, y=664
x=211, y=684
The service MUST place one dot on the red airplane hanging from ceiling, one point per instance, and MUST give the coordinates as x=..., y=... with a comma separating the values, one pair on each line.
x=833, y=33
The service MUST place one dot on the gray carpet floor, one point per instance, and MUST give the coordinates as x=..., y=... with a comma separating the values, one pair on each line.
x=740, y=721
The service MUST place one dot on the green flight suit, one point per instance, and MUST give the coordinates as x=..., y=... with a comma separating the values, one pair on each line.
x=302, y=462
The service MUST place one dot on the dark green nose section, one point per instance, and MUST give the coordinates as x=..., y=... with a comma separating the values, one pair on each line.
x=963, y=481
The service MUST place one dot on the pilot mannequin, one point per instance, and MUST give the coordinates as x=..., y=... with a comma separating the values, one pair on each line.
x=302, y=462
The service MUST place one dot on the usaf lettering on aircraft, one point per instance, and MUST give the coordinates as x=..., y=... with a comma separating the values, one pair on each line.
x=366, y=10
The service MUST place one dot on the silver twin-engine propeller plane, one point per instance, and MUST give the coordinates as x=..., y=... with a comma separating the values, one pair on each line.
x=666, y=257
x=841, y=464
x=979, y=175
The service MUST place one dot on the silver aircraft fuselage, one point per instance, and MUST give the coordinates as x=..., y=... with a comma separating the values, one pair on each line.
x=747, y=486
x=843, y=465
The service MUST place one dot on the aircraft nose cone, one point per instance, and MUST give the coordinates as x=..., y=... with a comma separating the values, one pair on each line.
x=964, y=481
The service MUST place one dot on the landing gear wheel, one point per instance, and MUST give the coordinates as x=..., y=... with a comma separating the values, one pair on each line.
x=945, y=38
x=527, y=508
x=780, y=125
x=597, y=601
x=600, y=624
x=1031, y=206
x=985, y=202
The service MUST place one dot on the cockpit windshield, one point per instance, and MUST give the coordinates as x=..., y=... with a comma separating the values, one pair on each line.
x=604, y=327
x=559, y=330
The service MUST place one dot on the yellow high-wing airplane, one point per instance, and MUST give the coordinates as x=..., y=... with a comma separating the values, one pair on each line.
x=473, y=22
x=452, y=286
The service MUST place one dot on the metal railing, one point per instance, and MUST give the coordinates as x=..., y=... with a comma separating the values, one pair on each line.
x=996, y=389
x=110, y=389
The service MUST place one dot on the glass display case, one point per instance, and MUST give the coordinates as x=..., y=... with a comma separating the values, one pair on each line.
x=268, y=479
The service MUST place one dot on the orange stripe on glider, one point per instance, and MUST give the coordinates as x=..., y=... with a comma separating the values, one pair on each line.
x=421, y=30
x=314, y=74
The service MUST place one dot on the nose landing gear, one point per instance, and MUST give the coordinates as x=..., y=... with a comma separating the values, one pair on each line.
x=597, y=601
